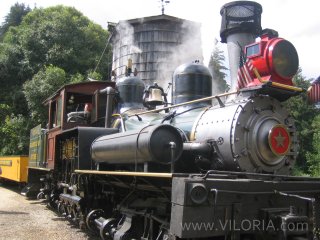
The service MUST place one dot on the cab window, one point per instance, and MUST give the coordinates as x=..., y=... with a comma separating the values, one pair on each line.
x=253, y=50
x=56, y=109
x=59, y=110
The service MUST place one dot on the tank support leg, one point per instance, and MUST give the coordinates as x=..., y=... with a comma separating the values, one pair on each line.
x=173, y=151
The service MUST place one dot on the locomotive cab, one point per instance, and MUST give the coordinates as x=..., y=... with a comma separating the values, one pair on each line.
x=72, y=114
x=73, y=105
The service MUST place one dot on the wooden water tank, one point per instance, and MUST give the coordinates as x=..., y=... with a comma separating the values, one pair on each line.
x=156, y=45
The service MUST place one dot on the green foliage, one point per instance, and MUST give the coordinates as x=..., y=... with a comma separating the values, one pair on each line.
x=16, y=131
x=4, y=112
x=217, y=68
x=94, y=75
x=42, y=85
x=60, y=36
x=77, y=78
x=14, y=17
x=313, y=156
x=13, y=72
x=303, y=113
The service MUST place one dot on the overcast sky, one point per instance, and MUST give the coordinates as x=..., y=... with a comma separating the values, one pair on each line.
x=297, y=21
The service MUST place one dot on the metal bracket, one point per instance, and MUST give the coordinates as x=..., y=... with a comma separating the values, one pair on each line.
x=220, y=102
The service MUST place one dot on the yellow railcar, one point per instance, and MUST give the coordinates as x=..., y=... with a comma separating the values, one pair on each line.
x=14, y=168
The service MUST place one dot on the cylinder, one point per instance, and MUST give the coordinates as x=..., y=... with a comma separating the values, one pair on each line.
x=192, y=81
x=131, y=91
x=253, y=135
x=151, y=143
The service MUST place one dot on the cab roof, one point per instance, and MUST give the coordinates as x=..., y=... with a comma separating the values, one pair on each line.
x=83, y=88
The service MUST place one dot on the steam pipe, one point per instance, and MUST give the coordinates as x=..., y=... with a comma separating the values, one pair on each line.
x=236, y=43
x=239, y=30
x=110, y=96
x=173, y=147
x=197, y=147
x=185, y=103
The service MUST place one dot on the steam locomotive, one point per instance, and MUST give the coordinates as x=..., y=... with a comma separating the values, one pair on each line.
x=129, y=165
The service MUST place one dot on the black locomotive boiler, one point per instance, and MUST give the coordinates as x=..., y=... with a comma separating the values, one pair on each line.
x=119, y=160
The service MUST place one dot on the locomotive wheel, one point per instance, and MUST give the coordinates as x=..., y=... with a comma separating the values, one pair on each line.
x=40, y=196
x=51, y=204
x=61, y=209
x=94, y=214
x=106, y=227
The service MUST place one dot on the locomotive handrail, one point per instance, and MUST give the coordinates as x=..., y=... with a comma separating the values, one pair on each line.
x=251, y=174
x=39, y=168
x=185, y=103
x=125, y=173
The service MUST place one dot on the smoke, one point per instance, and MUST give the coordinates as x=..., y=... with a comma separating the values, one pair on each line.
x=126, y=48
x=190, y=48
x=134, y=49
x=156, y=47
x=215, y=89
x=187, y=50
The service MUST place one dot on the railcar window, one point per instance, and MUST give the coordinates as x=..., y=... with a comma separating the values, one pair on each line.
x=59, y=109
x=253, y=50
x=52, y=122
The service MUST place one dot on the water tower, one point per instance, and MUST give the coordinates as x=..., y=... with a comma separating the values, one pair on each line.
x=156, y=45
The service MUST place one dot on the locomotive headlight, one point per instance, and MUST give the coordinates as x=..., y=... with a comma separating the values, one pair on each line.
x=198, y=193
x=283, y=58
x=275, y=59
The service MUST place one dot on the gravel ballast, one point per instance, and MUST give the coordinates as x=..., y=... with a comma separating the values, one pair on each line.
x=23, y=219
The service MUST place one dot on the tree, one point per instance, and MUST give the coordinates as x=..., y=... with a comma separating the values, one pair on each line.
x=16, y=131
x=63, y=37
x=303, y=113
x=313, y=157
x=52, y=47
x=4, y=112
x=217, y=68
x=13, y=73
x=14, y=17
x=42, y=85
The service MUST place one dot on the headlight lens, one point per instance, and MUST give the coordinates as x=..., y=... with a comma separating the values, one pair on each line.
x=285, y=59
